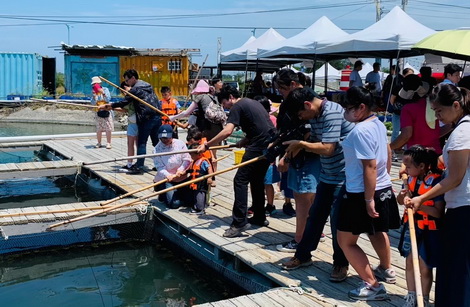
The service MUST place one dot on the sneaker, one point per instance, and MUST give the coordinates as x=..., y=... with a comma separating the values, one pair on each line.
x=288, y=209
x=127, y=166
x=233, y=231
x=410, y=300
x=295, y=263
x=134, y=170
x=366, y=292
x=250, y=211
x=98, y=145
x=288, y=247
x=387, y=275
x=270, y=209
x=196, y=212
x=339, y=273
x=108, y=146
x=322, y=237
x=258, y=222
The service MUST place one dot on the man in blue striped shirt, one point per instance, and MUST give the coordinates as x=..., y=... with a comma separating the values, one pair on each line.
x=328, y=130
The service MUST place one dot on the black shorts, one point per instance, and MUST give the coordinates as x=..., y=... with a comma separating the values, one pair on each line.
x=353, y=215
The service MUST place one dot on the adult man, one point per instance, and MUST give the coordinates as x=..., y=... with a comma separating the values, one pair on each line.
x=255, y=123
x=452, y=74
x=172, y=167
x=355, y=78
x=169, y=106
x=328, y=128
x=148, y=120
x=374, y=80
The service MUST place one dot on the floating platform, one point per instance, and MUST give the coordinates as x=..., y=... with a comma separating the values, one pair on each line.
x=252, y=260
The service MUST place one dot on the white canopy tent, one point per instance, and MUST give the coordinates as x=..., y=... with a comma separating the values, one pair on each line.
x=392, y=36
x=333, y=73
x=320, y=30
x=245, y=57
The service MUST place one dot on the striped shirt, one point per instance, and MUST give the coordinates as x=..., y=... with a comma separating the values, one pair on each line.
x=331, y=127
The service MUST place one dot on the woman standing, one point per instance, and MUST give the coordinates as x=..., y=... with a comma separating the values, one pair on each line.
x=369, y=206
x=452, y=106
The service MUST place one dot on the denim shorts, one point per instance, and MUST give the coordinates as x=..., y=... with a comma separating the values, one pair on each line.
x=306, y=178
x=132, y=129
x=272, y=175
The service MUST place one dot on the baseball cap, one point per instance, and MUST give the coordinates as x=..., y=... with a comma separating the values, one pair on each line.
x=165, y=131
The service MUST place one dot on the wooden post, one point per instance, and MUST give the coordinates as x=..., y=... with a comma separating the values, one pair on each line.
x=104, y=210
x=141, y=101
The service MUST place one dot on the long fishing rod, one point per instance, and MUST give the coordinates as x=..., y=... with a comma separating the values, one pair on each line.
x=104, y=210
x=141, y=101
x=65, y=103
x=156, y=155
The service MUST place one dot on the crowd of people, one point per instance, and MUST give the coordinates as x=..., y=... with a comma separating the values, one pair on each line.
x=334, y=160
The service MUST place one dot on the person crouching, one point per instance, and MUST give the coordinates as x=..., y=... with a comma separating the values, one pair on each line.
x=171, y=167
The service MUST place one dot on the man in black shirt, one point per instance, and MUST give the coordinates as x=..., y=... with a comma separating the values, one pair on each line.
x=254, y=120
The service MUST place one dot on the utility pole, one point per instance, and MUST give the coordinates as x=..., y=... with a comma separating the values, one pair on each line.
x=219, y=48
x=404, y=3
x=378, y=16
x=253, y=32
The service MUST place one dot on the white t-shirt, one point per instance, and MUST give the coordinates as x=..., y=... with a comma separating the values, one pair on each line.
x=367, y=141
x=459, y=140
x=356, y=78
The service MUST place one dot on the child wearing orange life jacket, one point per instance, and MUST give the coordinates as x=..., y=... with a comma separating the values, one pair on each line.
x=197, y=195
x=422, y=168
x=169, y=106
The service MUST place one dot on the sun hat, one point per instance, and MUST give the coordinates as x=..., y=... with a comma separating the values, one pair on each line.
x=95, y=80
x=201, y=87
x=412, y=84
x=165, y=131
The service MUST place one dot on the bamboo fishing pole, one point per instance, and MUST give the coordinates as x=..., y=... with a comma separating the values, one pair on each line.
x=156, y=155
x=66, y=103
x=141, y=101
x=414, y=250
x=221, y=158
x=104, y=204
x=56, y=211
x=104, y=210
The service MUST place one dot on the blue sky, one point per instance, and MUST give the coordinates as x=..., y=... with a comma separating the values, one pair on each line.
x=38, y=36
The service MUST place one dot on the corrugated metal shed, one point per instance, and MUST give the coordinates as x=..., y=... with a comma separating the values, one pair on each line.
x=172, y=71
x=80, y=69
x=159, y=67
x=20, y=74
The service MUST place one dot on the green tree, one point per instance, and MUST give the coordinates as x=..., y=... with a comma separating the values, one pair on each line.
x=60, y=79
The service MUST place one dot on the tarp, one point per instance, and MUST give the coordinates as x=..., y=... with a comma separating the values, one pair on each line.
x=321, y=30
x=397, y=31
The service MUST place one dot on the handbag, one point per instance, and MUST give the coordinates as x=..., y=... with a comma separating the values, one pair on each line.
x=215, y=113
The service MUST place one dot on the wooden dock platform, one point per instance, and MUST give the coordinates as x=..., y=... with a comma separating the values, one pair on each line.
x=257, y=249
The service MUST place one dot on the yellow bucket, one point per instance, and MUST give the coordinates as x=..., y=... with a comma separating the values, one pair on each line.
x=238, y=156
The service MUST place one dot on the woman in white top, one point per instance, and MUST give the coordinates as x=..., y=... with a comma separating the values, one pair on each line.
x=452, y=106
x=369, y=205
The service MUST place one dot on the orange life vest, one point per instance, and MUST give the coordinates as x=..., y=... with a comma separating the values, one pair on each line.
x=206, y=154
x=422, y=219
x=169, y=107
x=195, y=171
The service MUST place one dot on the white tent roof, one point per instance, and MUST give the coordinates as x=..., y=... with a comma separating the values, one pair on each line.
x=320, y=30
x=333, y=73
x=248, y=51
x=396, y=31
x=408, y=65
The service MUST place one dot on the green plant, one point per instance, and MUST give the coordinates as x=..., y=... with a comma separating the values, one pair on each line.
x=388, y=125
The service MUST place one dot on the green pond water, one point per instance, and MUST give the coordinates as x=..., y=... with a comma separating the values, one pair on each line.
x=113, y=275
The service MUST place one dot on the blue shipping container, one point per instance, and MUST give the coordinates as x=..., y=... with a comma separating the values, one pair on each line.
x=20, y=74
x=80, y=69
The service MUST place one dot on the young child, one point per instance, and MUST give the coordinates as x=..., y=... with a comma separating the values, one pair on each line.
x=169, y=106
x=197, y=198
x=421, y=167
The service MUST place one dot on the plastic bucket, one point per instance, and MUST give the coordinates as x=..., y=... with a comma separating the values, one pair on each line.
x=238, y=156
